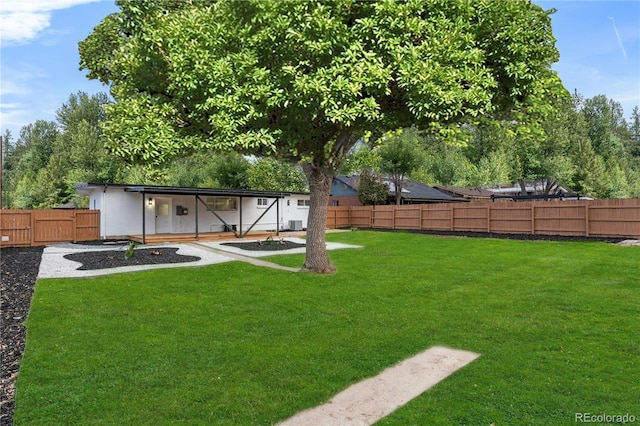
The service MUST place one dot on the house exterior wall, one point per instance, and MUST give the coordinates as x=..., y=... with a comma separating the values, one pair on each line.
x=122, y=212
x=346, y=200
x=296, y=207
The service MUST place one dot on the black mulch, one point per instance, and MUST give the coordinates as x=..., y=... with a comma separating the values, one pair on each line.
x=93, y=260
x=263, y=245
x=18, y=272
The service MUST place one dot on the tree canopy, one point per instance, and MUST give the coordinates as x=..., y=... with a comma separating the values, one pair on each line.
x=304, y=81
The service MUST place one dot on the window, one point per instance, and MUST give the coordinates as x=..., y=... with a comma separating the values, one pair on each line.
x=220, y=203
x=335, y=203
x=303, y=203
x=262, y=202
x=162, y=209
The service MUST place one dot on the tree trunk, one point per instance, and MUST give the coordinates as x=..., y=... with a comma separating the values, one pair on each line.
x=320, y=177
x=523, y=188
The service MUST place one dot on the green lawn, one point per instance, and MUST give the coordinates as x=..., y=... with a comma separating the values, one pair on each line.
x=556, y=325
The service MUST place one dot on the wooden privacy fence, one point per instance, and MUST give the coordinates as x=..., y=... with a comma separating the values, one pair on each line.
x=584, y=218
x=42, y=227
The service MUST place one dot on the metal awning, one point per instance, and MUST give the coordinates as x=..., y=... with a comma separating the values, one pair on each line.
x=215, y=192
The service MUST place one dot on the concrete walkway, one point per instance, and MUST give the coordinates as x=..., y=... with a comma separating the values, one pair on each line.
x=366, y=402
x=54, y=265
x=244, y=258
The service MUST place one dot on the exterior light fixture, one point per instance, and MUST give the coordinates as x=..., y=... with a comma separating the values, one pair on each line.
x=150, y=201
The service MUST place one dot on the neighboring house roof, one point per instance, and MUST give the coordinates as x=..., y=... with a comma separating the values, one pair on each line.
x=87, y=188
x=416, y=192
x=471, y=193
x=67, y=206
x=531, y=188
x=345, y=185
x=412, y=192
x=535, y=190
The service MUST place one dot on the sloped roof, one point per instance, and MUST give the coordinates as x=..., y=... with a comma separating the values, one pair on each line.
x=465, y=192
x=416, y=191
x=411, y=191
x=351, y=181
x=67, y=206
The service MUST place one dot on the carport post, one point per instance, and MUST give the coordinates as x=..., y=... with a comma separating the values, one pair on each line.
x=196, y=204
x=144, y=230
x=240, y=226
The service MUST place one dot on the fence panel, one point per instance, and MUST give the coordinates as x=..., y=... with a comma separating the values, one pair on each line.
x=471, y=217
x=621, y=220
x=15, y=228
x=382, y=217
x=407, y=217
x=42, y=227
x=560, y=219
x=361, y=216
x=52, y=226
x=597, y=218
x=508, y=218
x=436, y=217
x=87, y=225
x=338, y=217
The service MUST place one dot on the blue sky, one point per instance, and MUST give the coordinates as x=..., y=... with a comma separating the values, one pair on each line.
x=599, y=44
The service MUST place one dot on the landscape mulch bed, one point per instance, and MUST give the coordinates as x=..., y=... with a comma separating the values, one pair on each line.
x=19, y=268
x=93, y=260
x=265, y=245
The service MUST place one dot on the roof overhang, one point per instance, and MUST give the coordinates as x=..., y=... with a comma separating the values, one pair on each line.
x=88, y=188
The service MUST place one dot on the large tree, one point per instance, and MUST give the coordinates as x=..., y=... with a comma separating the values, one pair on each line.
x=304, y=81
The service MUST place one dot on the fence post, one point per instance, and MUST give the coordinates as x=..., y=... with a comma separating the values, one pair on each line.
x=533, y=219
x=452, y=214
x=371, y=216
x=33, y=227
x=75, y=227
x=587, y=224
x=393, y=217
x=489, y=219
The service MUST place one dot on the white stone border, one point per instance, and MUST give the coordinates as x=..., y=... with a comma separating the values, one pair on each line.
x=54, y=265
x=253, y=253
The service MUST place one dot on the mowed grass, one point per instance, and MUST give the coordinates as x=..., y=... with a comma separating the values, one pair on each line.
x=556, y=324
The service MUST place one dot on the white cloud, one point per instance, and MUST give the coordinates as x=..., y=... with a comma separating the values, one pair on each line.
x=23, y=20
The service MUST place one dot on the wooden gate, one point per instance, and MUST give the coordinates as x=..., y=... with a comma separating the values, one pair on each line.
x=42, y=227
